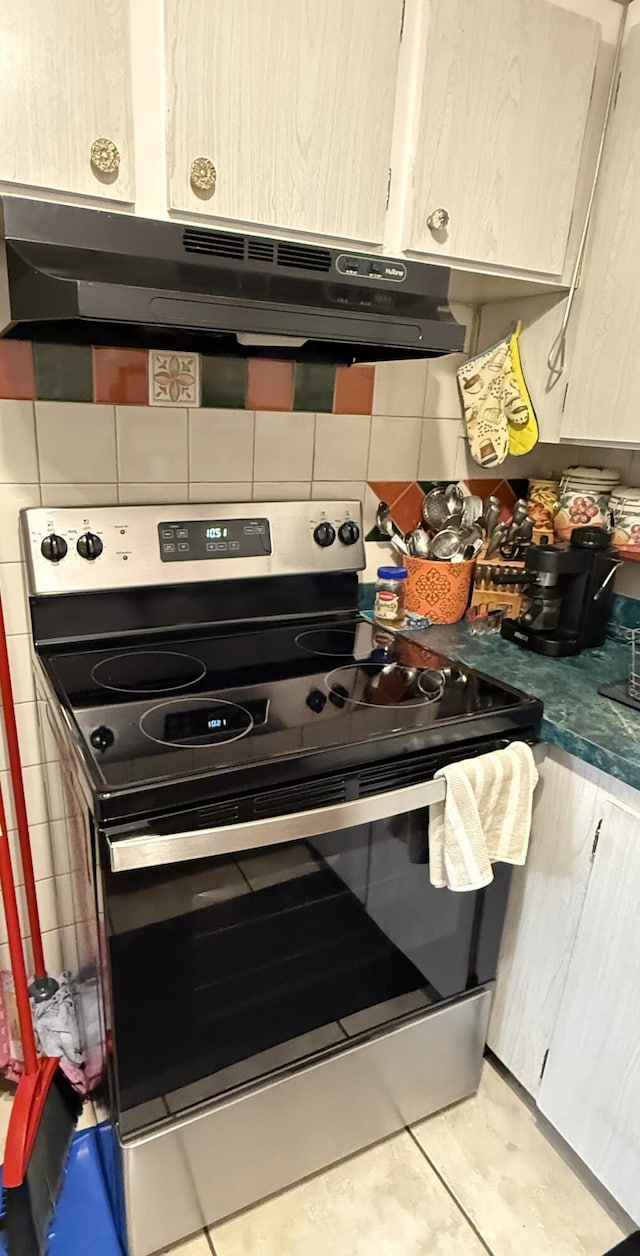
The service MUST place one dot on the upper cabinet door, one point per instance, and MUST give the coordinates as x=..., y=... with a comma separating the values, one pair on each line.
x=64, y=84
x=505, y=98
x=291, y=104
x=600, y=402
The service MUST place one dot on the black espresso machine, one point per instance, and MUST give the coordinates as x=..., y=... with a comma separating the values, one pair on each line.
x=568, y=596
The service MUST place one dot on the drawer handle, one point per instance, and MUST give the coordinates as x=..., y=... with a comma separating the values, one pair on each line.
x=438, y=220
x=105, y=156
x=203, y=176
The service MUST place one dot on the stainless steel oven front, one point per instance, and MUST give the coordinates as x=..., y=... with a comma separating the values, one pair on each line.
x=280, y=994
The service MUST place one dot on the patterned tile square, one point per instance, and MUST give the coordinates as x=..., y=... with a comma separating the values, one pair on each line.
x=174, y=378
x=63, y=372
x=270, y=385
x=16, y=370
x=224, y=382
x=354, y=390
x=407, y=508
x=121, y=376
x=314, y=383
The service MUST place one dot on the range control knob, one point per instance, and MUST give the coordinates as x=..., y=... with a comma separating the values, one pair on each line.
x=324, y=534
x=349, y=532
x=101, y=738
x=53, y=547
x=316, y=700
x=89, y=545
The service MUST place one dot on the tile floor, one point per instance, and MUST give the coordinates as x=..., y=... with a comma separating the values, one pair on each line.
x=479, y=1177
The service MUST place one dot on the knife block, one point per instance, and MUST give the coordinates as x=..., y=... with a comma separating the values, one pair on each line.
x=488, y=596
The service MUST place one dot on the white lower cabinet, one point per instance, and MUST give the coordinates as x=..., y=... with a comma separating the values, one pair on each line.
x=544, y=909
x=566, y=1014
x=591, y=1087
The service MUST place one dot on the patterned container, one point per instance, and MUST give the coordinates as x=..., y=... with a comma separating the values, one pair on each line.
x=625, y=507
x=438, y=590
x=541, y=500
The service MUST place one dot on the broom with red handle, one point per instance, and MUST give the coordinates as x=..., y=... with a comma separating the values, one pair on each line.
x=43, y=986
x=45, y=1107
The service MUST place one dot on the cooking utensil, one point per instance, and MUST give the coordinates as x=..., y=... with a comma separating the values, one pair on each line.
x=520, y=511
x=446, y=543
x=471, y=509
x=418, y=543
x=435, y=509
x=385, y=524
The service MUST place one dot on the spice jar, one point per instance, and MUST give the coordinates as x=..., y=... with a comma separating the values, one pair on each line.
x=391, y=591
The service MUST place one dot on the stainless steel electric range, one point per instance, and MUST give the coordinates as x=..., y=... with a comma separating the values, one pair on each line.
x=266, y=979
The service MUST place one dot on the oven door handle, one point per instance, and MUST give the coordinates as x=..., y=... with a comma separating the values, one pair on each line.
x=149, y=850
x=153, y=850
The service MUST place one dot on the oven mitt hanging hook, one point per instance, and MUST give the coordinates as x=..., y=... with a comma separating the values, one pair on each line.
x=497, y=407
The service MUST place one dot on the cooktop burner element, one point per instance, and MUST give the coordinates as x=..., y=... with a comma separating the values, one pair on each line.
x=148, y=671
x=196, y=722
x=348, y=640
x=378, y=684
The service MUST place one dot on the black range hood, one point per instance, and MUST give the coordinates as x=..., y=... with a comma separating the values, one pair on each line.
x=85, y=276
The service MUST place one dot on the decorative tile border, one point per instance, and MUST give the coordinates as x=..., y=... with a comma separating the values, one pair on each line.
x=404, y=497
x=140, y=377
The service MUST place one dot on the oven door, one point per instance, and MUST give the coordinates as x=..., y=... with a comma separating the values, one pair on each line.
x=306, y=934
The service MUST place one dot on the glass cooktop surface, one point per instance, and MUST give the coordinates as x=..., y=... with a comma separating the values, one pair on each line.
x=203, y=705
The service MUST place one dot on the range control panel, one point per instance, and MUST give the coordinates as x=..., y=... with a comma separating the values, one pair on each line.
x=72, y=550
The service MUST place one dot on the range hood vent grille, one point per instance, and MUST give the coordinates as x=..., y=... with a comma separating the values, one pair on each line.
x=304, y=257
x=214, y=243
x=260, y=250
x=244, y=248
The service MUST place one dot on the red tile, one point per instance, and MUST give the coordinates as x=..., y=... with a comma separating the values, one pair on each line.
x=354, y=390
x=16, y=370
x=407, y=508
x=121, y=376
x=270, y=385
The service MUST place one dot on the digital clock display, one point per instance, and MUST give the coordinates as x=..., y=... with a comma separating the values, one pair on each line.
x=196, y=539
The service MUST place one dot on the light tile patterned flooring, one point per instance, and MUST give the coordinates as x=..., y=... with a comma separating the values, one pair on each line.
x=480, y=1177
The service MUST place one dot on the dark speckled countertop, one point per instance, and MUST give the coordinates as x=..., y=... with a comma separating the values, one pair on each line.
x=602, y=732
x=596, y=729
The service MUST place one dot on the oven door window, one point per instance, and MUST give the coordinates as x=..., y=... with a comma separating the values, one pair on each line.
x=226, y=971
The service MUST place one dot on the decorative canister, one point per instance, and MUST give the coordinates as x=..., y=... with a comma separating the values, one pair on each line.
x=583, y=499
x=625, y=508
x=438, y=590
x=541, y=500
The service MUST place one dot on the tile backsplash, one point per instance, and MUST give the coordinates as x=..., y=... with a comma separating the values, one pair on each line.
x=76, y=428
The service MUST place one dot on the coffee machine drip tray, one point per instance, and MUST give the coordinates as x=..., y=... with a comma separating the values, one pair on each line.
x=555, y=643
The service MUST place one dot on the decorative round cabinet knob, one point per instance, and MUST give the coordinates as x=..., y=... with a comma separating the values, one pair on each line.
x=105, y=156
x=438, y=220
x=203, y=175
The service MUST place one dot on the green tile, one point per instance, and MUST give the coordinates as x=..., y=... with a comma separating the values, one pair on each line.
x=313, y=386
x=63, y=372
x=224, y=382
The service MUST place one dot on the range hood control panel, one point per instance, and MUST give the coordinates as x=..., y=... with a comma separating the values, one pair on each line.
x=73, y=550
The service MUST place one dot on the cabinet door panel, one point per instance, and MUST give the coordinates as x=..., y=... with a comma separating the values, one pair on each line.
x=64, y=82
x=505, y=100
x=293, y=101
x=591, y=1087
x=601, y=402
x=542, y=918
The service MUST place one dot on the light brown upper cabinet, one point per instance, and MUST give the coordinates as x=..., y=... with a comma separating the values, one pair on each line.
x=505, y=97
x=65, y=97
x=601, y=402
x=280, y=112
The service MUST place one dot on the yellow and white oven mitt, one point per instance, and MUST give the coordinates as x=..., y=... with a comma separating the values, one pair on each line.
x=498, y=410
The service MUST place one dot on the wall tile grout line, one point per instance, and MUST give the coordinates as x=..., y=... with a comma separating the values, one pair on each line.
x=450, y=1191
